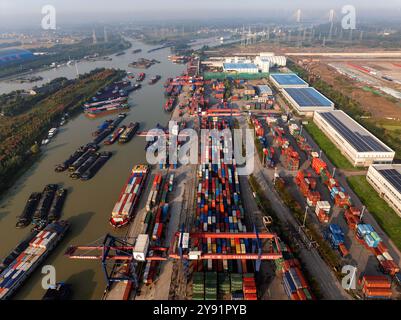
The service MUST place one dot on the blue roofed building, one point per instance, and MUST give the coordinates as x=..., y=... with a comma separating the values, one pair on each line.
x=287, y=80
x=11, y=55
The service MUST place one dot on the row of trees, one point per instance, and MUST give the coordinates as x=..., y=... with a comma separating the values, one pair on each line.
x=19, y=133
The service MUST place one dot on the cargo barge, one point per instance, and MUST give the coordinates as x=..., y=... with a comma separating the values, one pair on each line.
x=74, y=157
x=26, y=217
x=129, y=197
x=99, y=163
x=154, y=79
x=40, y=217
x=57, y=205
x=42, y=243
x=129, y=132
x=61, y=291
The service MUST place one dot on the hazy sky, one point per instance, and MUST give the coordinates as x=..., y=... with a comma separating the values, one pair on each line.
x=15, y=12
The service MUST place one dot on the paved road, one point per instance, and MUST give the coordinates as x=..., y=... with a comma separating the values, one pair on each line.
x=330, y=287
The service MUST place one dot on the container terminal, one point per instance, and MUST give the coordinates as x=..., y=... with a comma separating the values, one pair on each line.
x=211, y=246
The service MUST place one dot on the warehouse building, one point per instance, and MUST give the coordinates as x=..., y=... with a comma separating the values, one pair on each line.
x=287, y=80
x=386, y=180
x=240, y=68
x=11, y=55
x=356, y=143
x=264, y=91
x=306, y=101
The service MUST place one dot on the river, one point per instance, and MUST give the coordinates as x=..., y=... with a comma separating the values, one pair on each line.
x=89, y=204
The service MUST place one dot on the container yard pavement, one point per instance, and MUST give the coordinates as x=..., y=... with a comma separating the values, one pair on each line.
x=386, y=216
x=330, y=287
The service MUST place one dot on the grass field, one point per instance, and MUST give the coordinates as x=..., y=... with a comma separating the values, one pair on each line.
x=328, y=147
x=384, y=215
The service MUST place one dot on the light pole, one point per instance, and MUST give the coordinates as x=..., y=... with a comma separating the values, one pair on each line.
x=306, y=211
x=363, y=211
x=334, y=171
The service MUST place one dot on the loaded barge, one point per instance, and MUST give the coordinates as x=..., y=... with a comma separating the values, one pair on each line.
x=154, y=79
x=39, y=247
x=129, y=197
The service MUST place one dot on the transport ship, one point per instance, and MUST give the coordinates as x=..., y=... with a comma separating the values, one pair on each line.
x=115, y=135
x=90, y=160
x=129, y=132
x=136, y=51
x=17, y=251
x=40, y=216
x=154, y=79
x=129, y=197
x=103, y=102
x=26, y=217
x=31, y=257
x=141, y=76
x=57, y=205
x=74, y=157
x=99, y=163
x=169, y=105
x=105, y=109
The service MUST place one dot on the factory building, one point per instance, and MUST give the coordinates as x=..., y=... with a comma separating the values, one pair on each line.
x=287, y=80
x=264, y=91
x=240, y=68
x=267, y=60
x=356, y=143
x=386, y=180
x=306, y=101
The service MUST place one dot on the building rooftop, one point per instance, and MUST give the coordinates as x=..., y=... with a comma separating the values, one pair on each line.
x=360, y=138
x=287, y=79
x=239, y=66
x=392, y=173
x=308, y=97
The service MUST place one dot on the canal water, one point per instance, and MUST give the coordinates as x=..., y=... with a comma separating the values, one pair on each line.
x=89, y=204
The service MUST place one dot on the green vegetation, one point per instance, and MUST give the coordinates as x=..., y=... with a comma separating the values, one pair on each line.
x=62, y=53
x=328, y=147
x=384, y=215
x=352, y=108
x=20, y=134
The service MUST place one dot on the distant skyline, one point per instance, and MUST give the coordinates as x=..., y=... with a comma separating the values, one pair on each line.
x=14, y=13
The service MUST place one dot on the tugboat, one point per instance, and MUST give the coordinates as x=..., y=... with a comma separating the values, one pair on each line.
x=154, y=79
x=61, y=291
x=141, y=77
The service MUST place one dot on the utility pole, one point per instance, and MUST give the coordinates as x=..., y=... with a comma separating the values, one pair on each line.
x=334, y=171
x=363, y=211
x=306, y=212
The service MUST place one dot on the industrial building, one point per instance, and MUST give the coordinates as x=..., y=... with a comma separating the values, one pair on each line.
x=356, y=143
x=240, y=67
x=264, y=91
x=10, y=55
x=287, y=80
x=386, y=180
x=306, y=101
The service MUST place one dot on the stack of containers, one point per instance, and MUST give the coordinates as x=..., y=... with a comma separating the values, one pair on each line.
x=198, y=286
x=290, y=159
x=211, y=285
x=236, y=283
x=294, y=129
x=352, y=217
x=376, y=287
x=224, y=286
x=386, y=262
x=370, y=237
x=295, y=284
x=249, y=286
x=335, y=235
x=322, y=211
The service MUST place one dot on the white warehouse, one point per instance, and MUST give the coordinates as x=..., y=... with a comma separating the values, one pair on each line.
x=386, y=180
x=356, y=143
